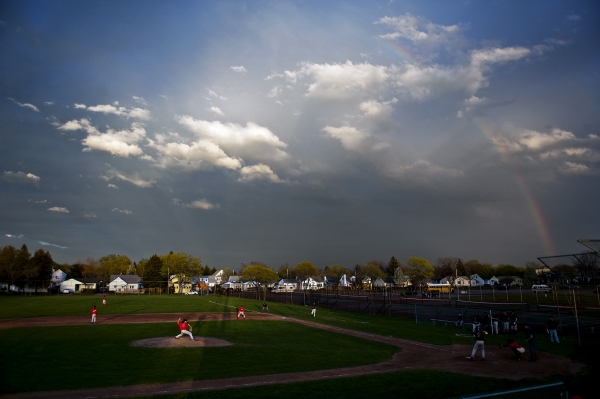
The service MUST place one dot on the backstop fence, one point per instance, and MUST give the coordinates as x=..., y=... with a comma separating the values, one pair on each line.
x=548, y=391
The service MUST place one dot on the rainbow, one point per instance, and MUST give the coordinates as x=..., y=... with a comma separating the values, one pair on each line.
x=532, y=203
x=400, y=52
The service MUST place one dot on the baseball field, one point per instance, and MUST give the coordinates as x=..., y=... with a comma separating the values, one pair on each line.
x=49, y=348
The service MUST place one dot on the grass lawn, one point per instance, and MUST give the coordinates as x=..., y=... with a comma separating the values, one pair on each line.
x=60, y=355
x=101, y=353
x=397, y=385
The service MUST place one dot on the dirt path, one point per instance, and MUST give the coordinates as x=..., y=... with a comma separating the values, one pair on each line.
x=499, y=363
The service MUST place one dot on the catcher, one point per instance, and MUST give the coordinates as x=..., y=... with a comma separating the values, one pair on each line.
x=184, y=328
x=516, y=348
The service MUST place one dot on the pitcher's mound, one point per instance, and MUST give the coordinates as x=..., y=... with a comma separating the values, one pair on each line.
x=183, y=342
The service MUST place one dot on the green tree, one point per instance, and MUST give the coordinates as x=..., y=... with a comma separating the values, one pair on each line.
x=392, y=265
x=181, y=265
x=564, y=272
x=304, y=270
x=418, y=270
x=76, y=270
x=285, y=271
x=373, y=270
x=10, y=269
x=530, y=276
x=42, y=264
x=261, y=275
x=113, y=264
x=586, y=265
x=153, y=272
x=508, y=270
x=228, y=272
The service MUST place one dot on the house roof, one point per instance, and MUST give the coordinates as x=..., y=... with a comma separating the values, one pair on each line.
x=128, y=278
x=85, y=280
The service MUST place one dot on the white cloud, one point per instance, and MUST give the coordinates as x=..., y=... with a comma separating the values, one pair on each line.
x=123, y=143
x=113, y=186
x=24, y=105
x=79, y=106
x=135, y=180
x=90, y=215
x=137, y=113
x=140, y=100
x=533, y=140
x=214, y=94
x=376, y=110
x=21, y=178
x=238, y=69
x=198, y=155
x=343, y=81
x=82, y=124
x=216, y=110
x=47, y=244
x=274, y=92
x=123, y=211
x=253, y=142
x=258, y=172
x=573, y=168
x=58, y=209
x=351, y=138
x=201, y=204
x=417, y=30
x=421, y=172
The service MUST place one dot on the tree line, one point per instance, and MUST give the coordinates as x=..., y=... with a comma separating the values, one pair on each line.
x=19, y=266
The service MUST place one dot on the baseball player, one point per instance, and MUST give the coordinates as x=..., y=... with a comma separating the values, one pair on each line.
x=241, y=313
x=94, y=312
x=183, y=328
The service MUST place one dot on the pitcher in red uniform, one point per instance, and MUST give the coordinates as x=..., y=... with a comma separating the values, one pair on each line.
x=183, y=328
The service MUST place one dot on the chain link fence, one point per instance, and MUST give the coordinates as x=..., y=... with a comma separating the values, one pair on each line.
x=548, y=391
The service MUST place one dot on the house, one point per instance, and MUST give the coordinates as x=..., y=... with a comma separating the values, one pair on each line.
x=210, y=281
x=312, y=283
x=180, y=283
x=476, y=280
x=78, y=284
x=331, y=282
x=543, y=271
x=494, y=280
x=379, y=283
x=285, y=285
x=125, y=283
x=345, y=282
x=234, y=283
x=367, y=284
x=462, y=281
x=58, y=276
x=516, y=280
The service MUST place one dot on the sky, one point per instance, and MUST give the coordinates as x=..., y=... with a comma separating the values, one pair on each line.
x=334, y=132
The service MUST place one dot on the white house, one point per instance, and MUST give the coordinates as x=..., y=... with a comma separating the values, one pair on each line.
x=379, y=283
x=125, y=283
x=234, y=283
x=58, y=276
x=462, y=281
x=78, y=284
x=312, y=283
x=214, y=279
x=344, y=282
x=476, y=280
x=291, y=283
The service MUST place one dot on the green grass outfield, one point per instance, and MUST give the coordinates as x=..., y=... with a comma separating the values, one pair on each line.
x=100, y=355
